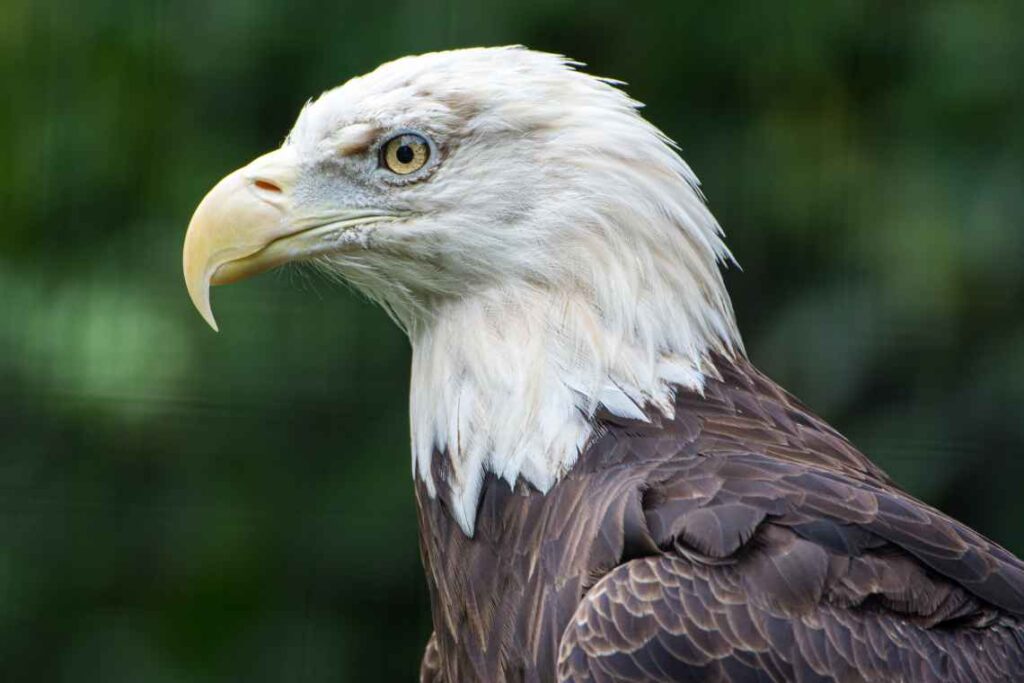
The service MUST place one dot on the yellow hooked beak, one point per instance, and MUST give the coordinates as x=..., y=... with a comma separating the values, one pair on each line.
x=249, y=223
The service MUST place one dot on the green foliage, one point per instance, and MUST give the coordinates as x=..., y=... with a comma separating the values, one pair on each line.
x=184, y=506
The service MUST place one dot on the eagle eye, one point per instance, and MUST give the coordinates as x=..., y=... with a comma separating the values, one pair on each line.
x=405, y=153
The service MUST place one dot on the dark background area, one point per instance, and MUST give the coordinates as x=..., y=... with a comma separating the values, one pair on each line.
x=177, y=505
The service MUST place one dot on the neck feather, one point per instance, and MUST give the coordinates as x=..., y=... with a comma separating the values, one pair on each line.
x=508, y=380
x=603, y=292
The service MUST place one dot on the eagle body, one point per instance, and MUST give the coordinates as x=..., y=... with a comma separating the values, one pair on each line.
x=742, y=541
x=608, y=490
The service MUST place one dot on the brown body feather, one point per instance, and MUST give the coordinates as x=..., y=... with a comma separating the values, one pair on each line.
x=743, y=541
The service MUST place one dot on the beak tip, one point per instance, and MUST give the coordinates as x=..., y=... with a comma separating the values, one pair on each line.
x=206, y=312
x=199, y=293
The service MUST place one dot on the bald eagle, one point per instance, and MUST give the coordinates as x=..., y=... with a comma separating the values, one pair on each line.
x=607, y=489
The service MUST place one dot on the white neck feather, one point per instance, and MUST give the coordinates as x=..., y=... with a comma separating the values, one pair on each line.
x=563, y=260
x=507, y=380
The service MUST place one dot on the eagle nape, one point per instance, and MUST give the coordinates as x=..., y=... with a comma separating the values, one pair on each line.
x=607, y=488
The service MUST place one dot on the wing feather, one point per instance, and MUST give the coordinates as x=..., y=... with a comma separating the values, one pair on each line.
x=788, y=556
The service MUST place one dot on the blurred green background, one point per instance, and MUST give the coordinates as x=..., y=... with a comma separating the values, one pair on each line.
x=177, y=505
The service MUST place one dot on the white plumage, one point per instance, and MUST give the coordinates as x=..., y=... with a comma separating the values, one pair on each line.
x=553, y=255
x=561, y=256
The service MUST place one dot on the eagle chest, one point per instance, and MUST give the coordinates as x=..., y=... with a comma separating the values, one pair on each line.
x=501, y=600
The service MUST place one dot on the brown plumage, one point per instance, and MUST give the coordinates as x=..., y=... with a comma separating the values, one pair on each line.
x=743, y=541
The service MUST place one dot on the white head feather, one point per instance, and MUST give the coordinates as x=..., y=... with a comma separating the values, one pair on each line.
x=557, y=257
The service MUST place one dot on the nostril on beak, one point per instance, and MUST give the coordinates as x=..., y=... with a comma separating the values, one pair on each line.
x=267, y=186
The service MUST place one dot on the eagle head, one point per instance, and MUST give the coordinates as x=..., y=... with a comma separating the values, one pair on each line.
x=544, y=247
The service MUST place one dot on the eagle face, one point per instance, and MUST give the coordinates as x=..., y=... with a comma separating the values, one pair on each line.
x=426, y=179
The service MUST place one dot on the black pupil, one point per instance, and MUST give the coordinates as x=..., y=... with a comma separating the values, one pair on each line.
x=405, y=154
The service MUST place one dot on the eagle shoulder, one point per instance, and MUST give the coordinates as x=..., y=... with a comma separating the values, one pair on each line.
x=786, y=555
x=782, y=572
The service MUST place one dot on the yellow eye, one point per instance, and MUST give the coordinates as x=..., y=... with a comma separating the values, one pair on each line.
x=405, y=154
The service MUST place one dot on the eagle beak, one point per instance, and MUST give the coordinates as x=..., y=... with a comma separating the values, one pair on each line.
x=244, y=213
x=249, y=223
